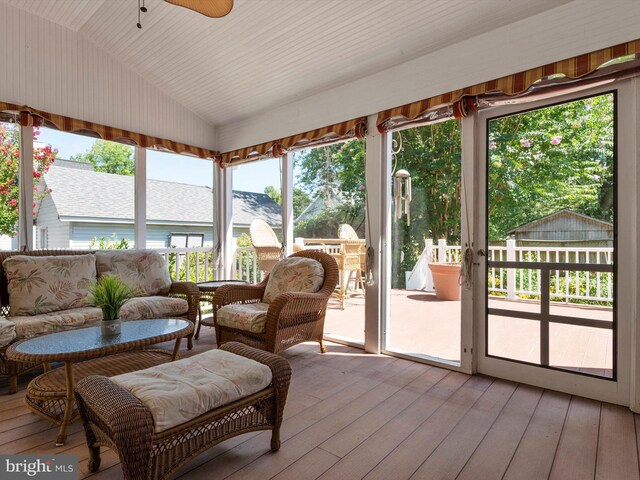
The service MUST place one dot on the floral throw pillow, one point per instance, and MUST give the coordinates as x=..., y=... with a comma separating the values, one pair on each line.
x=144, y=270
x=294, y=274
x=48, y=284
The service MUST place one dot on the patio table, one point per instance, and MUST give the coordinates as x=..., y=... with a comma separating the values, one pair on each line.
x=349, y=254
x=50, y=395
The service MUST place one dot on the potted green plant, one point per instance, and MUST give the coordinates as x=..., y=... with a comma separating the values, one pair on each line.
x=109, y=293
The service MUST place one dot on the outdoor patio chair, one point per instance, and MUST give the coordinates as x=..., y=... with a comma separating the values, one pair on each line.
x=351, y=260
x=288, y=307
x=265, y=242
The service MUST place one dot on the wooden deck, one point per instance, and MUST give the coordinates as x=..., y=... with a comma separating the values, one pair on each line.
x=351, y=415
x=423, y=325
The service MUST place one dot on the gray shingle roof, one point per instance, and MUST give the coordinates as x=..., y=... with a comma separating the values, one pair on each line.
x=88, y=194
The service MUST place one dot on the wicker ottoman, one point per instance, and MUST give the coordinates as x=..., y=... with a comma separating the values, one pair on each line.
x=113, y=417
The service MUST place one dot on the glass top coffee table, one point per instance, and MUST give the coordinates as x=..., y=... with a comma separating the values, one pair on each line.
x=50, y=395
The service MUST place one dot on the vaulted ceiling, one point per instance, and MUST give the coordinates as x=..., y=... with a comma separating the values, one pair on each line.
x=267, y=53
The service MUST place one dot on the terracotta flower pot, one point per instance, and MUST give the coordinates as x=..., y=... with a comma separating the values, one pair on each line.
x=446, y=280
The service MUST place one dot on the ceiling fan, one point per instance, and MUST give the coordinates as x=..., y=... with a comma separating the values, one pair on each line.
x=209, y=8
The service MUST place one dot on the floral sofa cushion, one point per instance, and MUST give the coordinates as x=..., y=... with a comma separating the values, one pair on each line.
x=294, y=274
x=144, y=270
x=36, y=325
x=7, y=332
x=180, y=391
x=40, y=285
x=143, y=308
x=250, y=317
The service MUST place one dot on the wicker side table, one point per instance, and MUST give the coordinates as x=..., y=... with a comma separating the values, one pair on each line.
x=50, y=395
x=207, y=290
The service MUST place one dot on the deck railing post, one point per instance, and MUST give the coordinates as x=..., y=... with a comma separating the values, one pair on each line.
x=511, y=272
x=442, y=250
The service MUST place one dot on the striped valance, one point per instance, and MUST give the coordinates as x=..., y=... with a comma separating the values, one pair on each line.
x=30, y=117
x=355, y=128
x=460, y=102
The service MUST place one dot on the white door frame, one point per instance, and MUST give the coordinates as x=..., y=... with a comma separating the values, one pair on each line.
x=615, y=391
x=467, y=194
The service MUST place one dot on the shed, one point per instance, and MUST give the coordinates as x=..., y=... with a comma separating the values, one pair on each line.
x=564, y=228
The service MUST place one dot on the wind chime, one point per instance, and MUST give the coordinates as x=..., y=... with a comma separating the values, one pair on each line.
x=401, y=194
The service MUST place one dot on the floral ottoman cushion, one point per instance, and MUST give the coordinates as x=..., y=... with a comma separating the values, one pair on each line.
x=294, y=274
x=40, y=285
x=144, y=270
x=180, y=391
x=250, y=317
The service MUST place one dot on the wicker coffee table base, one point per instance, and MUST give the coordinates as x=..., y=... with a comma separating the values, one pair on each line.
x=47, y=394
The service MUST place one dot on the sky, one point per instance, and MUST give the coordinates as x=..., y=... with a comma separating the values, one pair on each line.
x=253, y=177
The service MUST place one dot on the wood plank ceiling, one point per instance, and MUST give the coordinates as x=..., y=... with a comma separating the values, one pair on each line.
x=269, y=53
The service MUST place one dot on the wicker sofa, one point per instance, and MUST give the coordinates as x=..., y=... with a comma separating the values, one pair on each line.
x=165, y=300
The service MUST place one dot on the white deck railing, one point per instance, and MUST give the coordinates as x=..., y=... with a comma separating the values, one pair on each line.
x=190, y=264
x=197, y=265
x=566, y=286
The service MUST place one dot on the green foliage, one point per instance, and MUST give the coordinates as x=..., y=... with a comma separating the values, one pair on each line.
x=335, y=171
x=432, y=155
x=112, y=243
x=244, y=240
x=9, y=168
x=109, y=157
x=549, y=159
x=300, y=199
x=274, y=194
x=325, y=225
x=109, y=293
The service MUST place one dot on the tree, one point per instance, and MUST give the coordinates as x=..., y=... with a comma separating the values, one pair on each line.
x=300, y=199
x=109, y=157
x=334, y=172
x=548, y=159
x=9, y=168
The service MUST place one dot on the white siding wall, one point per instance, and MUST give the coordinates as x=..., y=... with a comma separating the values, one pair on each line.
x=53, y=68
x=83, y=233
x=578, y=27
x=57, y=232
x=158, y=236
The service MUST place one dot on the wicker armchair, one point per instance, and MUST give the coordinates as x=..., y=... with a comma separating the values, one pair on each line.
x=292, y=318
x=265, y=242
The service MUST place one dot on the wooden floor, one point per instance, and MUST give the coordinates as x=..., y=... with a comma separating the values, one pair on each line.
x=421, y=324
x=352, y=415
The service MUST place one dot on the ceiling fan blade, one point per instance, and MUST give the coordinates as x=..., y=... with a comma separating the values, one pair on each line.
x=209, y=8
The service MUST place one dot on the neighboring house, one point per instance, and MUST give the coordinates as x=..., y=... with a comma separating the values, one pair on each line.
x=317, y=206
x=84, y=204
x=565, y=228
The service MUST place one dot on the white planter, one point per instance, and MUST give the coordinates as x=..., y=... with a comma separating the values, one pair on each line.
x=110, y=327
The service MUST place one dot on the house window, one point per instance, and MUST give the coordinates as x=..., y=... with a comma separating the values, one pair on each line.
x=44, y=241
x=187, y=240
